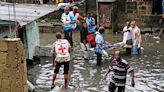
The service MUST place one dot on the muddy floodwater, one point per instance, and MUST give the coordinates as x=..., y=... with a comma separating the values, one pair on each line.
x=85, y=76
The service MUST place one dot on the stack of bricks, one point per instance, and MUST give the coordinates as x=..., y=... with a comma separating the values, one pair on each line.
x=13, y=70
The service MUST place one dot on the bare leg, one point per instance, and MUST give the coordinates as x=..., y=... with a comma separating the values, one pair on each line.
x=53, y=80
x=65, y=80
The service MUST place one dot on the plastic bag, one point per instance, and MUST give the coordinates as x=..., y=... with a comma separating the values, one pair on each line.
x=105, y=53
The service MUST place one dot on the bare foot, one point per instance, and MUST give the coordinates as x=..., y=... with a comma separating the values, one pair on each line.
x=65, y=86
x=52, y=86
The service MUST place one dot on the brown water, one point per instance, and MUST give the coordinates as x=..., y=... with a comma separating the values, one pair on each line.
x=87, y=77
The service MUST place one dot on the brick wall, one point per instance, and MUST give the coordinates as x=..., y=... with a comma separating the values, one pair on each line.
x=139, y=11
x=13, y=71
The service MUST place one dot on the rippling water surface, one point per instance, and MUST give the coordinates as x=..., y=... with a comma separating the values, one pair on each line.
x=85, y=76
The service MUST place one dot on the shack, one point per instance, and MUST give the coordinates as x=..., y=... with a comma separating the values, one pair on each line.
x=18, y=21
x=104, y=13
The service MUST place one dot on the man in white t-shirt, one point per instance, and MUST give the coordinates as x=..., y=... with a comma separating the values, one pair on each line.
x=60, y=56
x=127, y=37
x=67, y=20
x=137, y=39
x=127, y=34
x=77, y=17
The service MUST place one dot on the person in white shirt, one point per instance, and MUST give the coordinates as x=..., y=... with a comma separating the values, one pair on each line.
x=127, y=37
x=137, y=39
x=77, y=17
x=60, y=56
x=67, y=20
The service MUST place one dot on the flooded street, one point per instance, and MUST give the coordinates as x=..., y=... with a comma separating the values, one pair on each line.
x=85, y=76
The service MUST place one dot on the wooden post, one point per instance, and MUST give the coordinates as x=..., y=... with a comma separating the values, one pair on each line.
x=97, y=6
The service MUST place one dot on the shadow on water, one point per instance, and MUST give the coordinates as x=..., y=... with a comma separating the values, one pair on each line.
x=87, y=77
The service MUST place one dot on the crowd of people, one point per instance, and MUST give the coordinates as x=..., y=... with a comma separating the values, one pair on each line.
x=62, y=1
x=91, y=36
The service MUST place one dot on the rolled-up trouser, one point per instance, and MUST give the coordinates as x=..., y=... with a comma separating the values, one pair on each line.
x=128, y=51
x=136, y=50
x=83, y=46
x=68, y=36
x=99, y=58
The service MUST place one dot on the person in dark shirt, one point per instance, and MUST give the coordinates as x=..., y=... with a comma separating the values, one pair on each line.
x=120, y=68
x=83, y=35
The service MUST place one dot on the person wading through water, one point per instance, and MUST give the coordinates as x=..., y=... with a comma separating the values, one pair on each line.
x=127, y=37
x=100, y=45
x=137, y=38
x=60, y=56
x=120, y=68
x=68, y=20
x=83, y=37
x=77, y=17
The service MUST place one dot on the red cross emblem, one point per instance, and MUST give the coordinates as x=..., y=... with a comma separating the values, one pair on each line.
x=61, y=48
x=67, y=18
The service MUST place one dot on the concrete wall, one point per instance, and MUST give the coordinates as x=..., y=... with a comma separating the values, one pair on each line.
x=91, y=6
x=43, y=51
x=13, y=71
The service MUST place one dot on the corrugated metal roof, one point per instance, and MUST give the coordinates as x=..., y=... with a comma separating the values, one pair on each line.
x=24, y=13
x=106, y=0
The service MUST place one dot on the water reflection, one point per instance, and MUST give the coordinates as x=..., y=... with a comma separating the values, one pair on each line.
x=87, y=77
